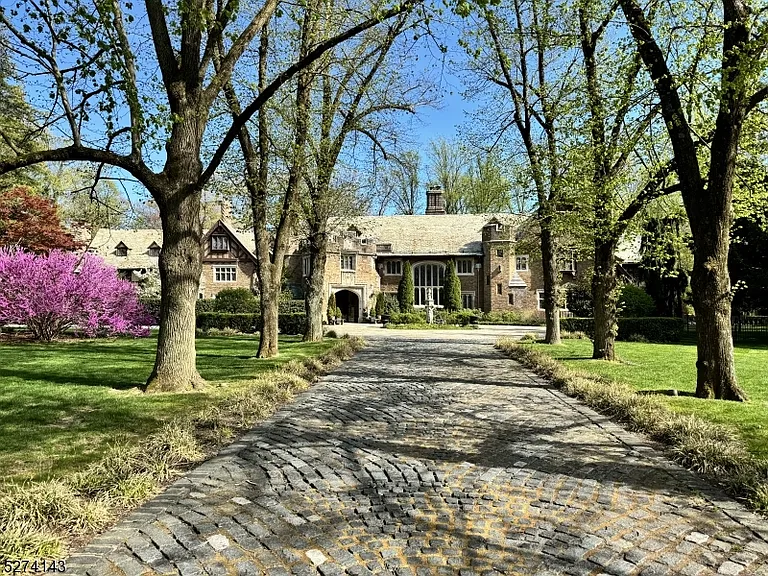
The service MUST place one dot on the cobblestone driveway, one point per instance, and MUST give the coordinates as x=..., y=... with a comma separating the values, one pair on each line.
x=434, y=456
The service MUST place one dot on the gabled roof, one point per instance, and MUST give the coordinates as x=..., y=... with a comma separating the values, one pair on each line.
x=138, y=241
x=425, y=235
x=244, y=238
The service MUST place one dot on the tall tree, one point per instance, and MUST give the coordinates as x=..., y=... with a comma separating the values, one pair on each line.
x=357, y=93
x=400, y=184
x=447, y=167
x=618, y=115
x=707, y=189
x=20, y=131
x=31, y=221
x=529, y=61
x=87, y=60
x=272, y=241
x=485, y=188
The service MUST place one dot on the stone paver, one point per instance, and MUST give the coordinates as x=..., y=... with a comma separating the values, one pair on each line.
x=434, y=454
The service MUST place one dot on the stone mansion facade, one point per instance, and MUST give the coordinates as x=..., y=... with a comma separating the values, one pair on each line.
x=367, y=254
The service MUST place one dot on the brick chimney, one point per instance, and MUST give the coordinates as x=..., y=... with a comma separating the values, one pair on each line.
x=225, y=211
x=435, y=201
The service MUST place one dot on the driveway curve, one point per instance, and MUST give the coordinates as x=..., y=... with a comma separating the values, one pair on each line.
x=434, y=454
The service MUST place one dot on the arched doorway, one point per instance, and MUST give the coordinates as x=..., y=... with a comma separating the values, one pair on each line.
x=349, y=304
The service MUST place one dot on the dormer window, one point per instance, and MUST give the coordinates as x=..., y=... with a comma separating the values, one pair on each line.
x=121, y=250
x=219, y=243
x=153, y=250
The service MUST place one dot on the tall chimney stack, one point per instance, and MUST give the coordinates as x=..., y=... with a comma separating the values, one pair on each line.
x=435, y=201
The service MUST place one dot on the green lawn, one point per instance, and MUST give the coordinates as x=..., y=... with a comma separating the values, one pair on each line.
x=62, y=404
x=668, y=366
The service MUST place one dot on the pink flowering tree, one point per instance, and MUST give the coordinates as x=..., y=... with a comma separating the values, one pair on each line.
x=53, y=292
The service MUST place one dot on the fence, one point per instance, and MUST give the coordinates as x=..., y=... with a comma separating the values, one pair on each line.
x=743, y=327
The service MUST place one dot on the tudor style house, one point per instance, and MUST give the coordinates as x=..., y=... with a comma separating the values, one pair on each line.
x=367, y=255
x=228, y=255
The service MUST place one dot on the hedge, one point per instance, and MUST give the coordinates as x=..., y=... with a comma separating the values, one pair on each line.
x=152, y=306
x=291, y=307
x=204, y=305
x=249, y=323
x=652, y=329
x=284, y=306
x=408, y=318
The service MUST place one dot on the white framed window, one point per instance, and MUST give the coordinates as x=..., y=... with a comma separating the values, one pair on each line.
x=219, y=243
x=465, y=266
x=393, y=268
x=348, y=262
x=305, y=266
x=121, y=250
x=468, y=300
x=521, y=263
x=428, y=277
x=154, y=251
x=225, y=273
x=568, y=263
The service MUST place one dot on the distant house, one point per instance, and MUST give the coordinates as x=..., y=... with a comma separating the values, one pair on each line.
x=228, y=255
x=366, y=255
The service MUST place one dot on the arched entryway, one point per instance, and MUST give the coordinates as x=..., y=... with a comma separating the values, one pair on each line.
x=349, y=304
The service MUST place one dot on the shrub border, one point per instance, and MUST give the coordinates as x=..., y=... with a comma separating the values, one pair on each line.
x=47, y=519
x=711, y=450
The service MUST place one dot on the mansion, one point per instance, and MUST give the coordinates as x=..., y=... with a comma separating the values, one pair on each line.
x=366, y=255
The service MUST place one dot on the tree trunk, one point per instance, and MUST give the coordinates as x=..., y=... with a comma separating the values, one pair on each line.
x=180, y=268
x=604, y=282
x=315, y=295
x=711, y=287
x=551, y=281
x=270, y=297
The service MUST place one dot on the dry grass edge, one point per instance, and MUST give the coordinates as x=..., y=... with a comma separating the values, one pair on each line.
x=45, y=519
x=712, y=450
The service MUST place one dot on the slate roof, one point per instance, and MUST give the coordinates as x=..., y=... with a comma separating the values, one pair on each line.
x=429, y=235
x=138, y=242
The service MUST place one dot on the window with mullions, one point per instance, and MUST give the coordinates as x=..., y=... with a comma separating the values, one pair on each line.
x=219, y=243
x=394, y=268
x=225, y=273
x=464, y=266
x=428, y=277
x=348, y=262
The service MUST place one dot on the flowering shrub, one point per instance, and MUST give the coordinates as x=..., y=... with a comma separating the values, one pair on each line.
x=50, y=293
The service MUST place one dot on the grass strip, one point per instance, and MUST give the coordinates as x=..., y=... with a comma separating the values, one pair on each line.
x=713, y=450
x=44, y=519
